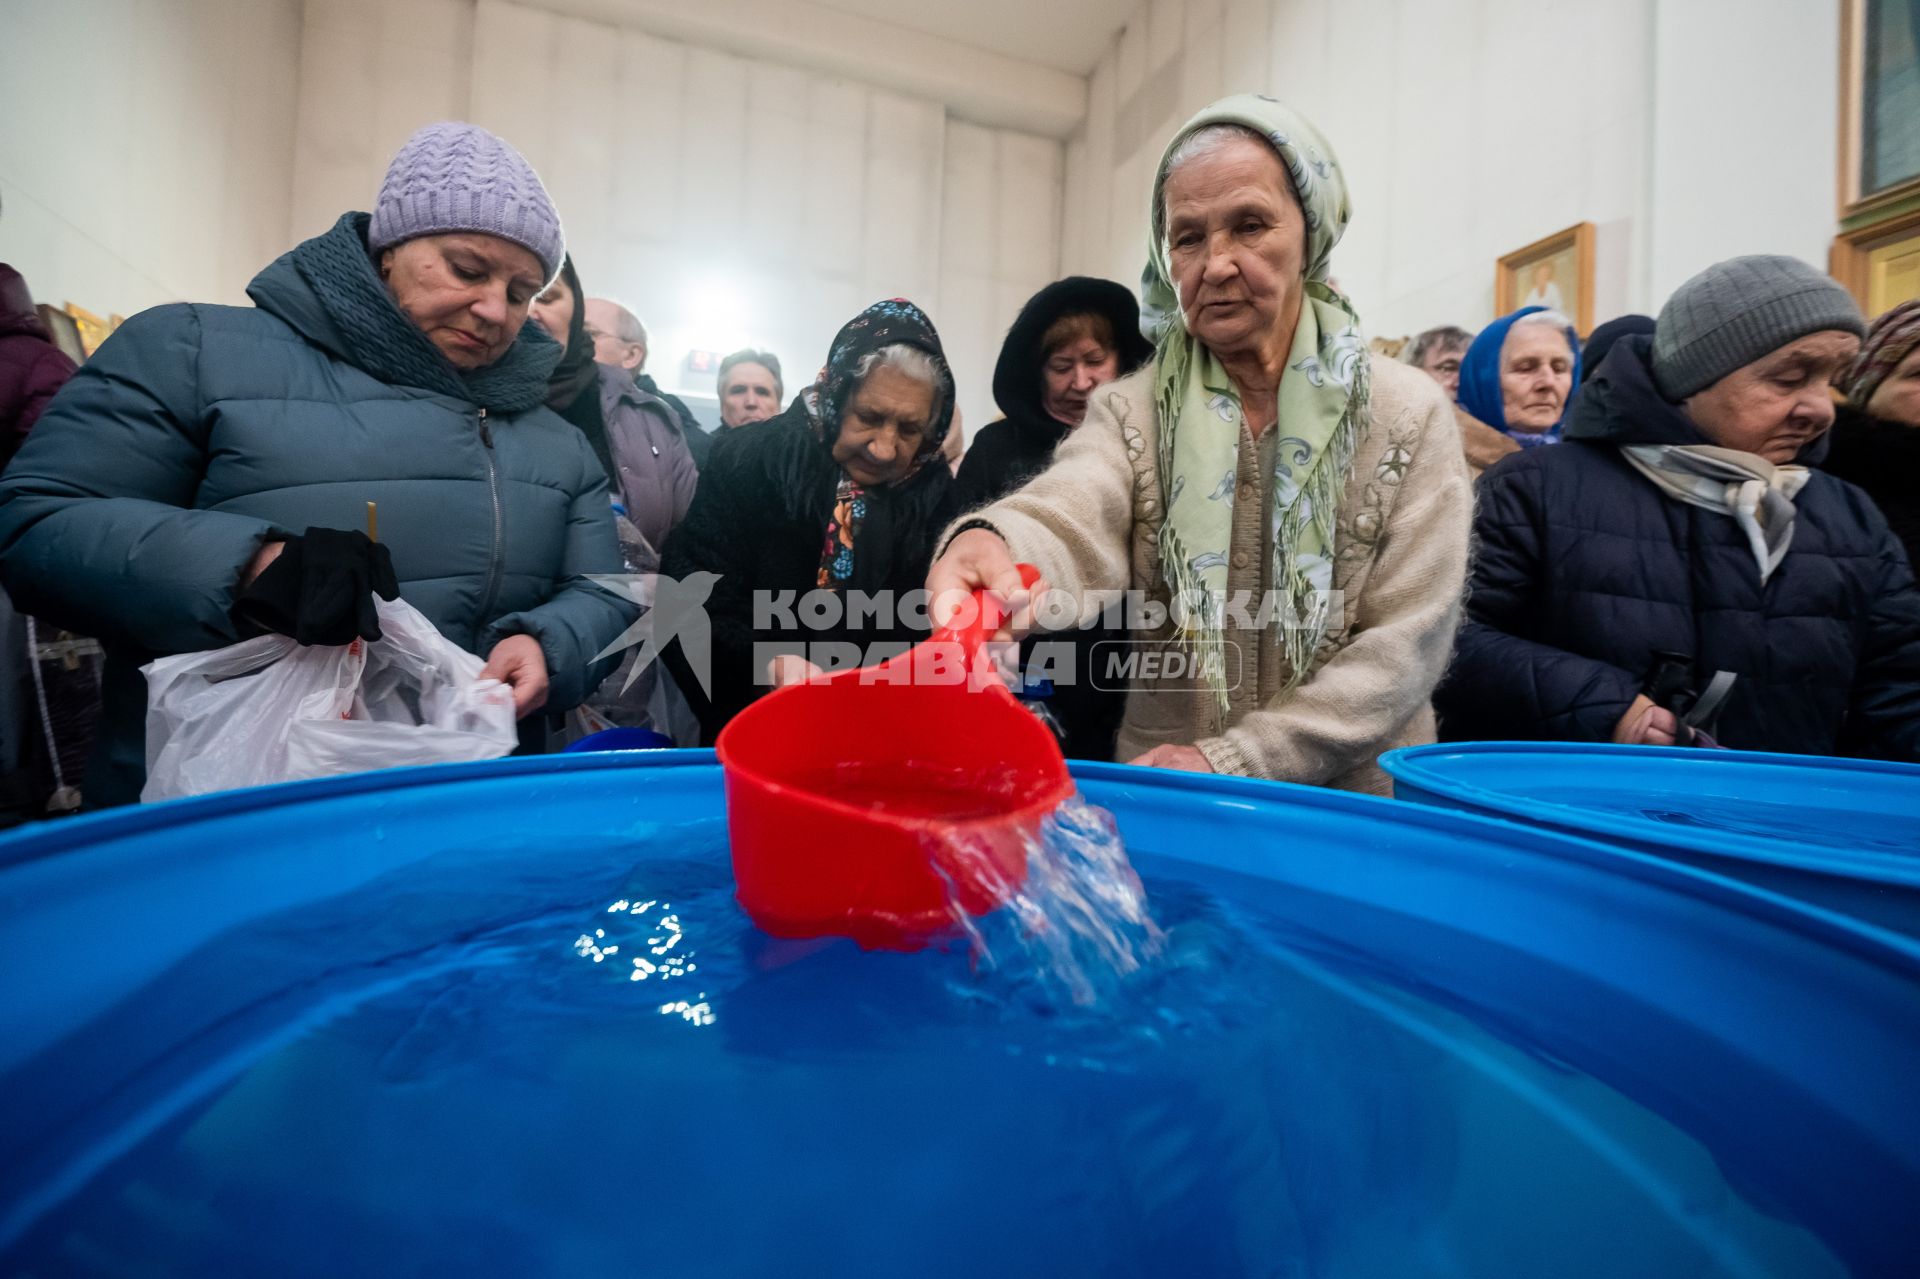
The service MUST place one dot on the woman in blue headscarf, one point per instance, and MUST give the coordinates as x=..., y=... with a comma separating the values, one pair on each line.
x=1515, y=383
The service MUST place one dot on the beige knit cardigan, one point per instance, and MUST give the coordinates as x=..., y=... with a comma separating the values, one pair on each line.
x=1091, y=522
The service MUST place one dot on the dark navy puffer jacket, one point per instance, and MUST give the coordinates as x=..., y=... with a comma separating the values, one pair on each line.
x=1584, y=569
x=196, y=433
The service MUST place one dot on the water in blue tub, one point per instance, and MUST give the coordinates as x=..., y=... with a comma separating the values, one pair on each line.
x=499, y=1064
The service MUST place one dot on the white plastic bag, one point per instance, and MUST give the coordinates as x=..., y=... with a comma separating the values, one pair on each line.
x=270, y=710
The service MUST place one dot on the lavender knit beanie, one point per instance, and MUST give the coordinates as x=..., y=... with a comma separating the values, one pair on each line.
x=459, y=177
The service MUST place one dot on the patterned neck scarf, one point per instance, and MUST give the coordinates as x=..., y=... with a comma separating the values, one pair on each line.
x=1323, y=401
x=1755, y=493
x=836, y=556
x=896, y=322
x=576, y=371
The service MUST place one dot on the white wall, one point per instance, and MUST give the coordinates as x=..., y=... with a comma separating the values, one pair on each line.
x=1745, y=153
x=145, y=146
x=999, y=243
x=729, y=201
x=163, y=149
x=1686, y=130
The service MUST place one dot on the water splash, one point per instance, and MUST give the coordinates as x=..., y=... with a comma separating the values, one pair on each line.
x=1078, y=929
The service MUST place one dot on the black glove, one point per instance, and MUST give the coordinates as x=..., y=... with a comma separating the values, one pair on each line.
x=320, y=590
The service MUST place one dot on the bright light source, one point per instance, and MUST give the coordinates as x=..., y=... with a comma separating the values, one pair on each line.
x=715, y=304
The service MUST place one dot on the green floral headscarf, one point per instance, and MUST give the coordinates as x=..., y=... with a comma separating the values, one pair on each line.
x=1322, y=407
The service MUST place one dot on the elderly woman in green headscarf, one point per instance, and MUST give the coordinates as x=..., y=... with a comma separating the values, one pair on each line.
x=1288, y=518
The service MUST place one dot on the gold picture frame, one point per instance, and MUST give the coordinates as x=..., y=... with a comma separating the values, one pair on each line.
x=93, y=329
x=1876, y=254
x=1545, y=272
x=1879, y=263
x=1854, y=202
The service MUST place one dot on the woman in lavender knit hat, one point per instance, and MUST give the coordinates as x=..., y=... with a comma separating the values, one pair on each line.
x=206, y=475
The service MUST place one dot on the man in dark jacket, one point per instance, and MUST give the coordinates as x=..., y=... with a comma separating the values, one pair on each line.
x=620, y=340
x=161, y=501
x=1680, y=517
x=1070, y=338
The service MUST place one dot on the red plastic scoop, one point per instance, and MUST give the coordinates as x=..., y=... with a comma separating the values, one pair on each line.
x=877, y=803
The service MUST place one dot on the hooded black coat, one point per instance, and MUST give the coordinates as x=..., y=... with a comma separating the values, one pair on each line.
x=1585, y=569
x=1884, y=459
x=1011, y=451
x=1007, y=453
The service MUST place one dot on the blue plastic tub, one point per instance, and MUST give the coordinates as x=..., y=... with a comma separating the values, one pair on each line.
x=619, y=739
x=1842, y=834
x=505, y=1019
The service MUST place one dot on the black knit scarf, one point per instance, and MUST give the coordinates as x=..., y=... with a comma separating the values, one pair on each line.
x=380, y=339
x=576, y=370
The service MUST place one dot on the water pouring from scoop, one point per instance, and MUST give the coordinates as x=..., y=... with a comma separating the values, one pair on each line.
x=888, y=803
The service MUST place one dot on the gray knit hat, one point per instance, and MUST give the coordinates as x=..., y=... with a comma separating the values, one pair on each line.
x=1736, y=311
x=459, y=177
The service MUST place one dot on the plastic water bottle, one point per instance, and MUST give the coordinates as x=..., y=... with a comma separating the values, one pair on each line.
x=1035, y=695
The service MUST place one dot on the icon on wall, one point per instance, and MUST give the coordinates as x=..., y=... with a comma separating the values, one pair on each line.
x=1555, y=272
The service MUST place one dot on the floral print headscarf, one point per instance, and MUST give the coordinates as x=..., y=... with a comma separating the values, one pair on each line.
x=895, y=322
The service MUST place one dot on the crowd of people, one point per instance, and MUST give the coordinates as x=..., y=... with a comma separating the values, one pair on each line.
x=1695, y=528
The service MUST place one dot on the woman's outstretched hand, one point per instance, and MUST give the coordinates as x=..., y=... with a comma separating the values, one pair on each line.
x=979, y=560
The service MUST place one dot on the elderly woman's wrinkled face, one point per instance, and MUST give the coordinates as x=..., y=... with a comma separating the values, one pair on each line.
x=884, y=427
x=468, y=292
x=1780, y=403
x=1070, y=375
x=1536, y=376
x=553, y=310
x=1237, y=243
x=1898, y=398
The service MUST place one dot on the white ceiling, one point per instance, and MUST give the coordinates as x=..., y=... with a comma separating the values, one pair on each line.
x=1068, y=35
x=1014, y=64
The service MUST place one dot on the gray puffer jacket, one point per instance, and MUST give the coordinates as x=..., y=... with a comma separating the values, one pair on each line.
x=197, y=433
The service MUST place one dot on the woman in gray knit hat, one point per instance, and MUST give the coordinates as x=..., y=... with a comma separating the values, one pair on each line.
x=206, y=475
x=1676, y=567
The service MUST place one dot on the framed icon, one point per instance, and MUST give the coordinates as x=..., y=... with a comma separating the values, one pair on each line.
x=1555, y=272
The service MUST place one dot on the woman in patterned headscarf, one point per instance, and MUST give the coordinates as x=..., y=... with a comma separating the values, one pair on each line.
x=843, y=493
x=1302, y=510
